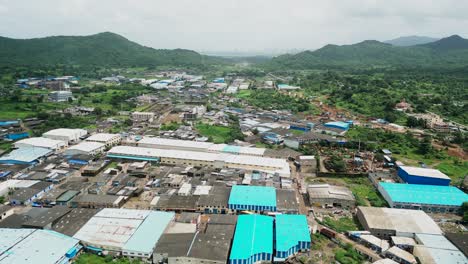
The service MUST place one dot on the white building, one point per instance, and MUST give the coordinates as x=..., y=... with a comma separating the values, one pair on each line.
x=65, y=134
x=203, y=159
x=142, y=116
x=42, y=143
x=86, y=148
x=60, y=96
x=107, y=139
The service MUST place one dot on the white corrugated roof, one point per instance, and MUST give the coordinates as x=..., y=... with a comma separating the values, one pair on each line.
x=87, y=146
x=68, y=132
x=42, y=142
x=175, y=143
x=424, y=172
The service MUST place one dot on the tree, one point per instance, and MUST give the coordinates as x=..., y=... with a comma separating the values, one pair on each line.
x=70, y=100
x=337, y=164
x=128, y=122
x=425, y=146
x=2, y=199
x=464, y=209
x=98, y=111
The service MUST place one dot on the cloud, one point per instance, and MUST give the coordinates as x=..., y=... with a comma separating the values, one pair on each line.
x=236, y=24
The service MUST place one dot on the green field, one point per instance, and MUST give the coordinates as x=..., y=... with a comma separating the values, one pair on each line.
x=218, y=134
x=86, y=258
x=364, y=192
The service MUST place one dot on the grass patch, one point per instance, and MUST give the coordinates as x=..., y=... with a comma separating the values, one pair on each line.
x=365, y=192
x=217, y=134
x=348, y=255
x=243, y=94
x=455, y=169
x=6, y=146
x=87, y=258
x=341, y=225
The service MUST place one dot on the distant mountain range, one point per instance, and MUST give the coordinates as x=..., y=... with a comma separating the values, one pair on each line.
x=103, y=49
x=452, y=50
x=410, y=41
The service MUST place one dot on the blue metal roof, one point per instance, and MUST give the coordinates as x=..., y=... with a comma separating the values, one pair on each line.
x=231, y=149
x=148, y=233
x=290, y=231
x=254, y=235
x=253, y=195
x=424, y=194
x=7, y=123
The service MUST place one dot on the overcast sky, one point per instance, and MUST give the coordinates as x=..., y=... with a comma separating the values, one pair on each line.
x=242, y=25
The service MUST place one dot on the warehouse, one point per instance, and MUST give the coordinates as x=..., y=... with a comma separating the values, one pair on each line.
x=97, y=201
x=216, y=202
x=415, y=175
x=387, y=222
x=41, y=142
x=330, y=195
x=429, y=198
x=286, y=201
x=338, y=125
x=258, y=230
x=176, y=144
x=132, y=232
x=68, y=135
x=252, y=198
x=26, y=155
x=30, y=245
x=437, y=249
x=292, y=235
x=202, y=159
x=107, y=139
x=86, y=148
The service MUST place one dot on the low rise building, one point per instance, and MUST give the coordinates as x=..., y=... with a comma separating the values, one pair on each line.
x=429, y=198
x=388, y=222
x=86, y=148
x=252, y=198
x=68, y=135
x=143, y=117
x=41, y=142
x=60, y=96
x=291, y=235
x=108, y=140
x=330, y=195
x=97, y=201
x=416, y=175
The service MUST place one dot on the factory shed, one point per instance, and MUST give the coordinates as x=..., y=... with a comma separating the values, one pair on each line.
x=47, y=218
x=85, y=148
x=415, y=175
x=291, y=235
x=70, y=223
x=26, y=246
x=286, y=201
x=437, y=249
x=460, y=240
x=25, y=155
x=389, y=222
x=212, y=246
x=258, y=231
x=143, y=241
x=41, y=142
x=172, y=246
x=252, y=198
x=68, y=135
x=330, y=195
x=429, y=198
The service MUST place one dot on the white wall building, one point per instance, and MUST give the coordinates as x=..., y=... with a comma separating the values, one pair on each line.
x=107, y=139
x=142, y=116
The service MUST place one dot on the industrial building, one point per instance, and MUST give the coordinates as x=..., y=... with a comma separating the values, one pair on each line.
x=202, y=159
x=257, y=230
x=26, y=155
x=416, y=175
x=41, y=142
x=132, y=232
x=176, y=144
x=86, y=148
x=330, y=195
x=68, y=135
x=429, y=198
x=387, y=222
x=291, y=235
x=25, y=246
x=108, y=140
x=252, y=198
x=437, y=249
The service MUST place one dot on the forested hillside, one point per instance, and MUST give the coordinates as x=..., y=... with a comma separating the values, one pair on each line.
x=103, y=49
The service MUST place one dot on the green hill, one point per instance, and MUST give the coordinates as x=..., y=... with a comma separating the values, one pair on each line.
x=410, y=41
x=103, y=49
x=447, y=51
